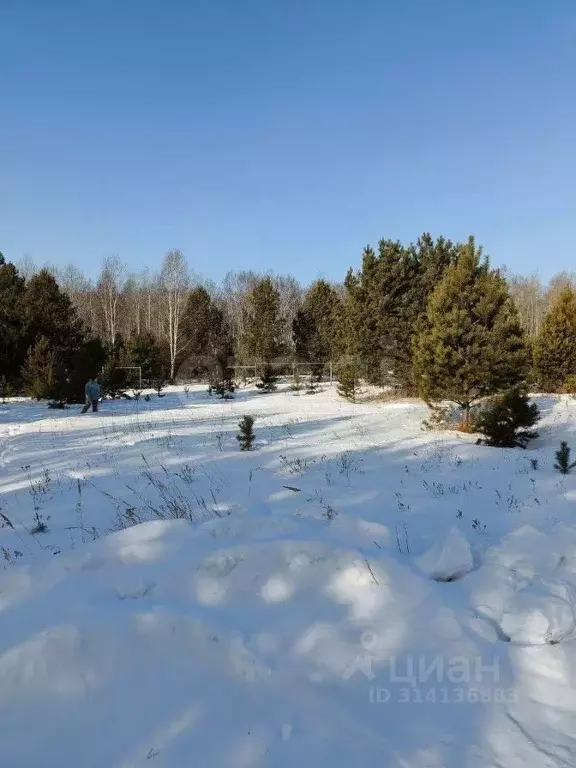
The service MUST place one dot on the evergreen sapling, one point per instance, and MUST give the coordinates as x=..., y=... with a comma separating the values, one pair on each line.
x=506, y=421
x=311, y=387
x=348, y=382
x=268, y=380
x=246, y=435
x=224, y=387
x=296, y=385
x=563, y=464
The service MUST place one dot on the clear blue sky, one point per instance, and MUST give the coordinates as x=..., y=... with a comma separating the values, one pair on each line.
x=286, y=134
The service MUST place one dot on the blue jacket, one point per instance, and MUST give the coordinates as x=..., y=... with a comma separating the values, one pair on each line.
x=92, y=390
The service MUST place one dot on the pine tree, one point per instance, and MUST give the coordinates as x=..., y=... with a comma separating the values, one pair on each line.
x=311, y=384
x=246, y=435
x=433, y=257
x=13, y=341
x=555, y=348
x=113, y=378
x=263, y=324
x=470, y=344
x=348, y=380
x=296, y=385
x=206, y=332
x=562, y=463
x=386, y=300
x=48, y=313
x=159, y=382
x=268, y=379
x=315, y=326
x=145, y=352
x=506, y=422
x=41, y=374
x=224, y=387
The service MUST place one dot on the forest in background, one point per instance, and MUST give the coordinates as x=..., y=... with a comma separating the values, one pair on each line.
x=412, y=318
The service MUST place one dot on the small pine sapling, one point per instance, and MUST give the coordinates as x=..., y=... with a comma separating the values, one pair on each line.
x=348, y=382
x=563, y=464
x=224, y=387
x=296, y=385
x=246, y=435
x=158, y=383
x=311, y=387
x=268, y=380
x=506, y=421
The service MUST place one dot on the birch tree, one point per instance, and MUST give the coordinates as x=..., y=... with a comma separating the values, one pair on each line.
x=174, y=285
x=109, y=289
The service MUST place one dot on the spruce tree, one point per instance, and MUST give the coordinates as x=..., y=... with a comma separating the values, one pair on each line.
x=263, y=324
x=555, y=348
x=470, y=344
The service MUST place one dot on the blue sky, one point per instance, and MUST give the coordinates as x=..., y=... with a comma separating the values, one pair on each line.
x=286, y=134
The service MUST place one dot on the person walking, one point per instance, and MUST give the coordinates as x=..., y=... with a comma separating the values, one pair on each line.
x=92, y=391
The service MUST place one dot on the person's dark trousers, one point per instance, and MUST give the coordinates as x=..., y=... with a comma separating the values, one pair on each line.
x=90, y=402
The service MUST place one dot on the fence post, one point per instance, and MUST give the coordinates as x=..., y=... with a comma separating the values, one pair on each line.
x=331, y=373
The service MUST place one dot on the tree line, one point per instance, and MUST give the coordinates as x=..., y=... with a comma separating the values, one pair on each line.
x=431, y=318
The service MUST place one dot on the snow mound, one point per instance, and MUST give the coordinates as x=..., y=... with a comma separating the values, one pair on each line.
x=449, y=558
x=540, y=613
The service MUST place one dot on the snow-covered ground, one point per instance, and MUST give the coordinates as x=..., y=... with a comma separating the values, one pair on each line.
x=354, y=592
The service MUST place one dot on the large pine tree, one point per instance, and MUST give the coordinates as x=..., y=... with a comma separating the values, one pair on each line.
x=386, y=299
x=13, y=343
x=145, y=351
x=207, y=334
x=315, y=327
x=48, y=314
x=555, y=348
x=43, y=377
x=470, y=343
x=263, y=324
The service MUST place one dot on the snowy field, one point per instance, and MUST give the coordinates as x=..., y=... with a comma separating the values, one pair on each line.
x=354, y=592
